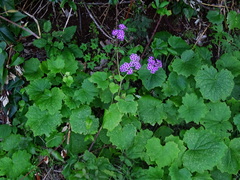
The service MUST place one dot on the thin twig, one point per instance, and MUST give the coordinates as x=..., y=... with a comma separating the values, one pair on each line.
x=69, y=15
x=25, y=29
x=199, y=38
x=36, y=21
x=91, y=16
x=154, y=32
x=90, y=148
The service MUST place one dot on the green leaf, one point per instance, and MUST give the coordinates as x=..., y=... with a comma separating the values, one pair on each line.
x=100, y=78
x=178, y=44
x=5, y=130
x=56, y=64
x=162, y=155
x=83, y=122
x=127, y=105
x=41, y=122
x=229, y=62
x=32, y=70
x=37, y=87
x=18, y=165
x=205, y=150
x=233, y=19
x=11, y=142
x=17, y=16
x=151, y=110
x=236, y=121
x=47, y=26
x=122, y=137
x=152, y=173
x=230, y=163
x=71, y=64
x=215, y=17
x=54, y=140
x=86, y=93
x=6, y=34
x=68, y=33
x=112, y=117
x=214, y=85
x=186, y=67
x=40, y=43
x=138, y=145
x=177, y=173
x=217, y=119
x=193, y=108
x=50, y=100
x=149, y=80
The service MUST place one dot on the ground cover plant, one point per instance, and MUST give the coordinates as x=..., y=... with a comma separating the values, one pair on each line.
x=136, y=99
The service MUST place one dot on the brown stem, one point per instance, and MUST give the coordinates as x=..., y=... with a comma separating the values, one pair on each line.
x=154, y=32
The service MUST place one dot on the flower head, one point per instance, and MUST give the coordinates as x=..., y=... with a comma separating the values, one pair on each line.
x=153, y=65
x=133, y=64
x=122, y=26
x=119, y=33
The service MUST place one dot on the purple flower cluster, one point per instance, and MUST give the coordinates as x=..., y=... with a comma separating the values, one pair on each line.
x=134, y=63
x=119, y=33
x=153, y=65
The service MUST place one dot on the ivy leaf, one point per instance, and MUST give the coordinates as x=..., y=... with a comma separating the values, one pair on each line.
x=151, y=110
x=186, y=67
x=100, y=78
x=230, y=163
x=214, y=85
x=122, y=137
x=112, y=117
x=162, y=155
x=87, y=93
x=217, y=119
x=229, y=62
x=32, y=70
x=151, y=81
x=42, y=122
x=56, y=64
x=51, y=100
x=37, y=88
x=205, y=150
x=193, y=108
x=83, y=122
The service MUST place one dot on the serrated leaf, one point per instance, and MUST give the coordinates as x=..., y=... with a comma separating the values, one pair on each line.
x=112, y=117
x=149, y=80
x=87, y=93
x=100, y=78
x=71, y=64
x=233, y=19
x=5, y=130
x=177, y=173
x=56, y=64
x=83, y=122
x=193, y=108
x=214, y=85
x=229, y=62
x=138, y=145
x=37, y=87
x=50, y=100
x=230, y=163
x=152, y=173
x=151, y=110
x=41, y=122
x=178, y=44
x=32, y=70
x=236, y=121
x=17, y=166
x=11, y=142
x=215, y=17
x=217, y=119
x=127, y=105
x=205, y=150
x=68, y=33
x=162, y=155
x=186, y=68
x=54, y=140
x=122, y=137
x=40, y=43
x=47, y=26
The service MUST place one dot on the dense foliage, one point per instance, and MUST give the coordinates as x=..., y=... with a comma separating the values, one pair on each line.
x=124, y=110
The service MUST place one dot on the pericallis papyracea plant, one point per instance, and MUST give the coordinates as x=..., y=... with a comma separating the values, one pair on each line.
x=179, y=122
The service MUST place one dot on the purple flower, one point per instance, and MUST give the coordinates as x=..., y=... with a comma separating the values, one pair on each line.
x=133, y=64
x=119, y=33
x=153, y=65
x=122, y=26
